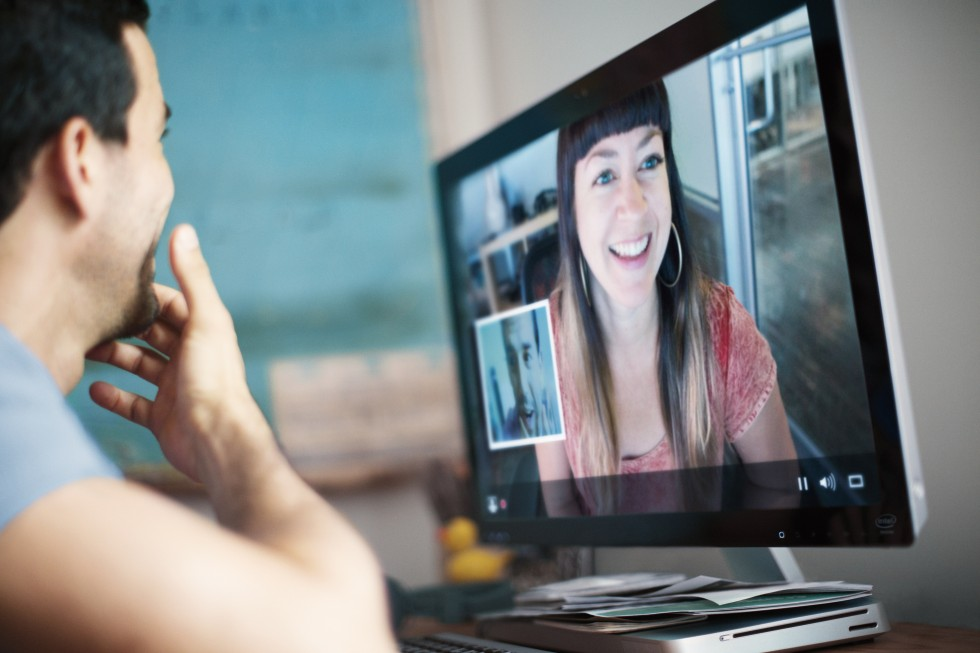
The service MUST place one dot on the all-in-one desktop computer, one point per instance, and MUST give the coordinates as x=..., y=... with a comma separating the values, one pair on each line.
x=729, y=147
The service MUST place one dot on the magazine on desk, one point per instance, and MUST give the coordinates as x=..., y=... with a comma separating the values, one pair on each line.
x=633, y=602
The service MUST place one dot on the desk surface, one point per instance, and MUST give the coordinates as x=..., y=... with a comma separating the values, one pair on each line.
x=903, y=637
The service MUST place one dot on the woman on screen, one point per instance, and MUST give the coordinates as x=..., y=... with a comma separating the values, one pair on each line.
x=660, y=366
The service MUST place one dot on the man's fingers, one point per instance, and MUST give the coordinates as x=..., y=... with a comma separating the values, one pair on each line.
x=173, y=306
x=125, y=404
x=163, y=337
x=144, y=363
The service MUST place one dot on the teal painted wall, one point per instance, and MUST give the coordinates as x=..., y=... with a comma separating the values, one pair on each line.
x=299, y=152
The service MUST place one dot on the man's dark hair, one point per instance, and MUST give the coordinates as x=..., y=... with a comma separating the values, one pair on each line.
x=60, y=59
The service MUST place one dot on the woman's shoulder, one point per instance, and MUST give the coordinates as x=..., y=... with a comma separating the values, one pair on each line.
x=733, y=329
x=730, y=322
x=722, y=303
x=719, y=300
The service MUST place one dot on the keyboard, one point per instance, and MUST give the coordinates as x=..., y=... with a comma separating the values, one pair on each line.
x=453, y=643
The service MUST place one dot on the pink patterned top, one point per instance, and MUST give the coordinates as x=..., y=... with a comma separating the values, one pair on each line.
x=747, y=370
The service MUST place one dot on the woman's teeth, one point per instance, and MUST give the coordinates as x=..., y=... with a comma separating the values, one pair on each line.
x=631, y=249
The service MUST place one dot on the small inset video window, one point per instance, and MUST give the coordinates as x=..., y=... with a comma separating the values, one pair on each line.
x=519, y=377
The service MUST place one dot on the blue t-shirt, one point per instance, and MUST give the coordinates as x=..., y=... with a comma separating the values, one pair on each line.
x=43, y=446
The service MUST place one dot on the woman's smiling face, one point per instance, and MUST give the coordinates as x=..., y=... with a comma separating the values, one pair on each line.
x=623, y=213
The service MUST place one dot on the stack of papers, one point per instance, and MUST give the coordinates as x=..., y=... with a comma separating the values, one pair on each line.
x=629, y=602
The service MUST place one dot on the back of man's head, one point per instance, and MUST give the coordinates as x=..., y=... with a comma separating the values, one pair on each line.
x=60, y=59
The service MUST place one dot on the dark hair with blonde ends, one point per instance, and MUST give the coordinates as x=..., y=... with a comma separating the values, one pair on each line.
x=686, y=359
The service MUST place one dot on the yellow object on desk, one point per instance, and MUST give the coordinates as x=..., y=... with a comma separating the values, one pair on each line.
x=459, y=534
x=466, y=561
x=477, y=564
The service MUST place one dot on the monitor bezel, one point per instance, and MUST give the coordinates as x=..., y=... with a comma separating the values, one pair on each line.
x=891, y=521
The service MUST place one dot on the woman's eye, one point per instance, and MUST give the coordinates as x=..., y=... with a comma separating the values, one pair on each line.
x=652, y=162
x=604, y=178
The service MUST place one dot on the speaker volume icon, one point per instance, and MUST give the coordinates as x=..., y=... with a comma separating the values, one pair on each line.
x=829, y=482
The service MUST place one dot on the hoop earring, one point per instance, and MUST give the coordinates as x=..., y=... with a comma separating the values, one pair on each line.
x=680, y=259
x=585, y=282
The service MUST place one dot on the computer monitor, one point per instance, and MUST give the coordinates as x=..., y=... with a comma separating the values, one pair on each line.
x=670, y=302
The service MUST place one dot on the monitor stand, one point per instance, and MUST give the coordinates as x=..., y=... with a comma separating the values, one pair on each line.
x=763, y=565
x=781, y=630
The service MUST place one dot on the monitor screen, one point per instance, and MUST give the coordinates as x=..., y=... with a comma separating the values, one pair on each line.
x=670, y=325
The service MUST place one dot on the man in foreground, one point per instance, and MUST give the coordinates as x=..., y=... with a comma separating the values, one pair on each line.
x=89, y=561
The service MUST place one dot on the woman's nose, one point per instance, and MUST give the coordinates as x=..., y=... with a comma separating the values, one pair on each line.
x=632, y=203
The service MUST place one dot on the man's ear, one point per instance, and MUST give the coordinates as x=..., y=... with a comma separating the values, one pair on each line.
x=78, y=162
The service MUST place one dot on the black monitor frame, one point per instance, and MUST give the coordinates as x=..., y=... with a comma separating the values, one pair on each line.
x=889, y=521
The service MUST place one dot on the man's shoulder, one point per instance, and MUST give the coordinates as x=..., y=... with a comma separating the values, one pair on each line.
x=24, y=380
x=43, y=446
